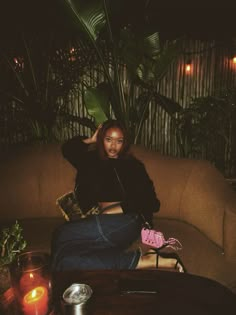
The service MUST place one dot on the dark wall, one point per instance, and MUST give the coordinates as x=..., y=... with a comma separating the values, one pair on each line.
x=199, y=20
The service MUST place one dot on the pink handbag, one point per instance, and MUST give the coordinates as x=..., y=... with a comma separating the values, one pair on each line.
x=156, y=239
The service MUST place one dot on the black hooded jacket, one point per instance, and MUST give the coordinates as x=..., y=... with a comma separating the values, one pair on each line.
x=121, y=179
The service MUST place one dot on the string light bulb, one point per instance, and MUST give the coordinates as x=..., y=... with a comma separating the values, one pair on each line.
x=188, y=67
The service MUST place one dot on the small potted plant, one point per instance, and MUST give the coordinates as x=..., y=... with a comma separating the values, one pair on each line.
x=11, y=244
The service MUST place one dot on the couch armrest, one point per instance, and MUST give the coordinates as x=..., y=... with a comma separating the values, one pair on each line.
x=230, y=227
x=204, y=200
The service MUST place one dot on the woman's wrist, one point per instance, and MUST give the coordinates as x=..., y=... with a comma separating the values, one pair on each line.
x=88, y=141
x=92, y=139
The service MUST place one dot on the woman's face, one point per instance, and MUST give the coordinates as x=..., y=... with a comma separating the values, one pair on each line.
x=113, y=142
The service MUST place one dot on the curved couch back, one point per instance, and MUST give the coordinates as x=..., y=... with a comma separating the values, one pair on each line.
x=33, y=177
x=189, y=190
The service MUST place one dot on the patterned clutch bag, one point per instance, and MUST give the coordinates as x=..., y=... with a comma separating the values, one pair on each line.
x=156, y=239
x=70, y=208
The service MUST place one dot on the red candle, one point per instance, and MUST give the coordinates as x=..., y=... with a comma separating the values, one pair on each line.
x=35, y=302
x=30, y=280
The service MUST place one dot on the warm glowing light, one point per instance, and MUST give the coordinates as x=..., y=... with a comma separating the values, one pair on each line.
x=72, y=54
x=188, y=68
x=29, y=279
x=34, y=295
x=36, y=301
x=234, y=59
x=19, y=63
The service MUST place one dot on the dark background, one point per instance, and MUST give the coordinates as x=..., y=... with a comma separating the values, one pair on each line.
x=196, y=20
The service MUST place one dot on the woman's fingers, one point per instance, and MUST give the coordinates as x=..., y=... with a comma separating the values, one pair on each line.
x=94, y=137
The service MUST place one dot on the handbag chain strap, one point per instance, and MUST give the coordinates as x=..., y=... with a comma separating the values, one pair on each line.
x=146, y=224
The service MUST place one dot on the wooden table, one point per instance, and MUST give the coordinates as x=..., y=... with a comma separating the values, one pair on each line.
x=171, y=293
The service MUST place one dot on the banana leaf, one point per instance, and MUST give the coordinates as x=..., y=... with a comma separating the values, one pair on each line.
x=97, y=103
x=139, y=56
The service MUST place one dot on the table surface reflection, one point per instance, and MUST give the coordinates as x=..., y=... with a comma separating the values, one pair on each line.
x=134, y=292
x=140, y=292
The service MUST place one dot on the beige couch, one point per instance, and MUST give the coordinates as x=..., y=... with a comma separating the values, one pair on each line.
x=197, y=205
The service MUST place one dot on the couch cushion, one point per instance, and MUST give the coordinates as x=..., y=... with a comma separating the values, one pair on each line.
x=230, y=227
x=32, y=178
x=169, y=176
x=189, y=190
x=204, y=199
x=199, y=254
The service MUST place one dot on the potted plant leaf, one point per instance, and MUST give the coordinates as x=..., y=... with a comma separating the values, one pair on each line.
x=206, y=129
x=131, y=64
x=11, y=244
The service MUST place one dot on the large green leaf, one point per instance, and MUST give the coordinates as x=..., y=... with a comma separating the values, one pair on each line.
x=90, y=14
x=136, y=63
x=97, y=104
x=138, y=51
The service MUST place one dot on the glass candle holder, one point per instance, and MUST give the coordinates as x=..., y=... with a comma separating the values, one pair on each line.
x=31, y=282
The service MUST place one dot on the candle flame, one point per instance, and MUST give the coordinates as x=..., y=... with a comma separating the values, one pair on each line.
x=36, y=302
x=33, y=293
x=31, y=276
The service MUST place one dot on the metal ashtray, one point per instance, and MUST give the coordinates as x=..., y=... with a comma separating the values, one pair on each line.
x=75, y=298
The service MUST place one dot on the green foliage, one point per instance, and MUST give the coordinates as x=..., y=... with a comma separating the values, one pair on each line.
x=38, y=75
x=11, y=243
x=206, y=128
x=98, y=101
x=131, y=64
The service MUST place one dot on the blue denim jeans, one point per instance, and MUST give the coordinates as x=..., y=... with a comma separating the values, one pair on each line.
x=96, y=242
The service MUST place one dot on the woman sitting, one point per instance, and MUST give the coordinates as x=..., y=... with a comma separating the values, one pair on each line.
x=117, y=184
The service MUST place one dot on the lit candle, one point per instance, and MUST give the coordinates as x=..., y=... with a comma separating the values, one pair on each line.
x=30, y=280
x=35, y=302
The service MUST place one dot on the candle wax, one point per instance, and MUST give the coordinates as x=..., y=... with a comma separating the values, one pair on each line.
x=35, y=302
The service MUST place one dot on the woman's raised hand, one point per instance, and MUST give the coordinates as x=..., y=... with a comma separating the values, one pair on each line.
x=94, y=136
x=93, y=139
